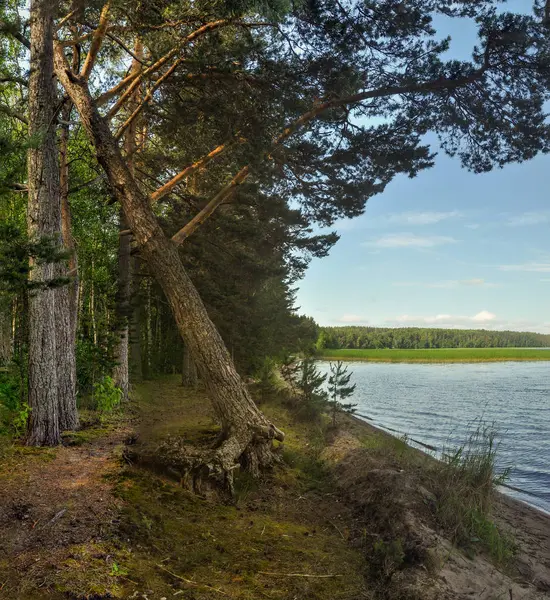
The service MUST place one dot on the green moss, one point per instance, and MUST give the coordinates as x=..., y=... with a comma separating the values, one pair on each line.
x=227, y=546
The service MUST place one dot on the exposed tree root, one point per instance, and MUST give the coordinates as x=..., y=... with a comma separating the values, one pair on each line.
x=210, y=472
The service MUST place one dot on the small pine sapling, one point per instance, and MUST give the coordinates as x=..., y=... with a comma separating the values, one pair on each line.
x=339, y=389
x=311, y=384
x=290, y=367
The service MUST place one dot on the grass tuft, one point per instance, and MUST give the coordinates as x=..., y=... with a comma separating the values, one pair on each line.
x=464, y=485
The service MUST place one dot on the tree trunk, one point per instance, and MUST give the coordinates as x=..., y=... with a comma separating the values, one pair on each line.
x=6, y=346
x=44, y=219
x=66, y=220
x=121, y=371
x=247, y=433
x=136, y=359
x=66, y=298
x=189, y=377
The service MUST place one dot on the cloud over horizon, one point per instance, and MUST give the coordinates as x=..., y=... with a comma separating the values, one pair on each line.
x=530, y=267
x=409, y=240
x=352, y=320
x=529, y=218
x=448, y=284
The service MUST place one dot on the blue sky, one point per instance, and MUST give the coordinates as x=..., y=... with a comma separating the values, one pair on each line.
x=448, y=249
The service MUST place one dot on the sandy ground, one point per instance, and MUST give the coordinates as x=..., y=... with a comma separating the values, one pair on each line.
x=370, y=483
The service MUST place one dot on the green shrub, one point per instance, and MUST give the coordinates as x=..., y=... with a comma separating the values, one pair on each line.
x=107, y=395
x=14, y=411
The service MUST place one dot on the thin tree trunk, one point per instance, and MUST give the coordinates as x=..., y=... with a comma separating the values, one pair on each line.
x=6, y=345
x=66, y=220
x=136, y=359
x=121, y=370
x=66, y=301
x=246, y=431
x=44, y=219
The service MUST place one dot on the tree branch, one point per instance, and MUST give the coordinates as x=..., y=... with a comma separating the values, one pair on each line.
x=65, y=19
x=97, y=40
x=168, y=187
x=18, y=80
x=147, y=98
x=162, y=61
x=106, y=96
x=209, y=209
x=13, y=113
x=426, y=87
x=429, y=86
x=14, y=32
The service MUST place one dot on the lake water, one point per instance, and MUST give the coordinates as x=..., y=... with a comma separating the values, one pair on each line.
x=437, y=404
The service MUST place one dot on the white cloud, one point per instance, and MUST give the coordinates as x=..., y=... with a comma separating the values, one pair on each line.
x=448, y=284
x=474, y=281
x=482, y=320
x=473, y=226
x=446, y=320
x=421, y=218
x=409, y=240
x=531, y=267
x=530, y=218
x=352, y=319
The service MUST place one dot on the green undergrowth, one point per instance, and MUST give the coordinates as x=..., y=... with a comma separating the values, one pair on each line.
x=275, y=541
x=287, y=536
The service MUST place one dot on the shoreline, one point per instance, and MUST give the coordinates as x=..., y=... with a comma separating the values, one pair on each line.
x=431, y=360
x=435, y=355
x=500, y=495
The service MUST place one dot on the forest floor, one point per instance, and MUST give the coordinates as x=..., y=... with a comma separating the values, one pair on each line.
x=348, y=517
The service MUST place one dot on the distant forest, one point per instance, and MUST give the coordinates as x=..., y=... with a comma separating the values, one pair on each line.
x=417, y=337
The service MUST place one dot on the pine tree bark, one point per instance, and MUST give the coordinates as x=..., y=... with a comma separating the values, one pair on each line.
x=44, y=219
x=246, y=432
x=66, y=297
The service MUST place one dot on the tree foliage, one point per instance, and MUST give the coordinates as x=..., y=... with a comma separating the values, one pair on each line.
x=417, y=337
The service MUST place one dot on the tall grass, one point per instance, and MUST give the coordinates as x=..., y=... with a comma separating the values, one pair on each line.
x=465, y=484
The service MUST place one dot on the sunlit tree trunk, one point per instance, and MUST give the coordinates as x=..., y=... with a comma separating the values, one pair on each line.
x=121, y=374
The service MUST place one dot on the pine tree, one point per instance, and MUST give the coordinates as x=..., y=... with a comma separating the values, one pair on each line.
x=339, y=389
x=313, y=399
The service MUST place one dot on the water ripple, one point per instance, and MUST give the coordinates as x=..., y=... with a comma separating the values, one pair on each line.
x=438, y=405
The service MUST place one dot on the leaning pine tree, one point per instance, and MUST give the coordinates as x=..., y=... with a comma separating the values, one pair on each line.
x=325, y=128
